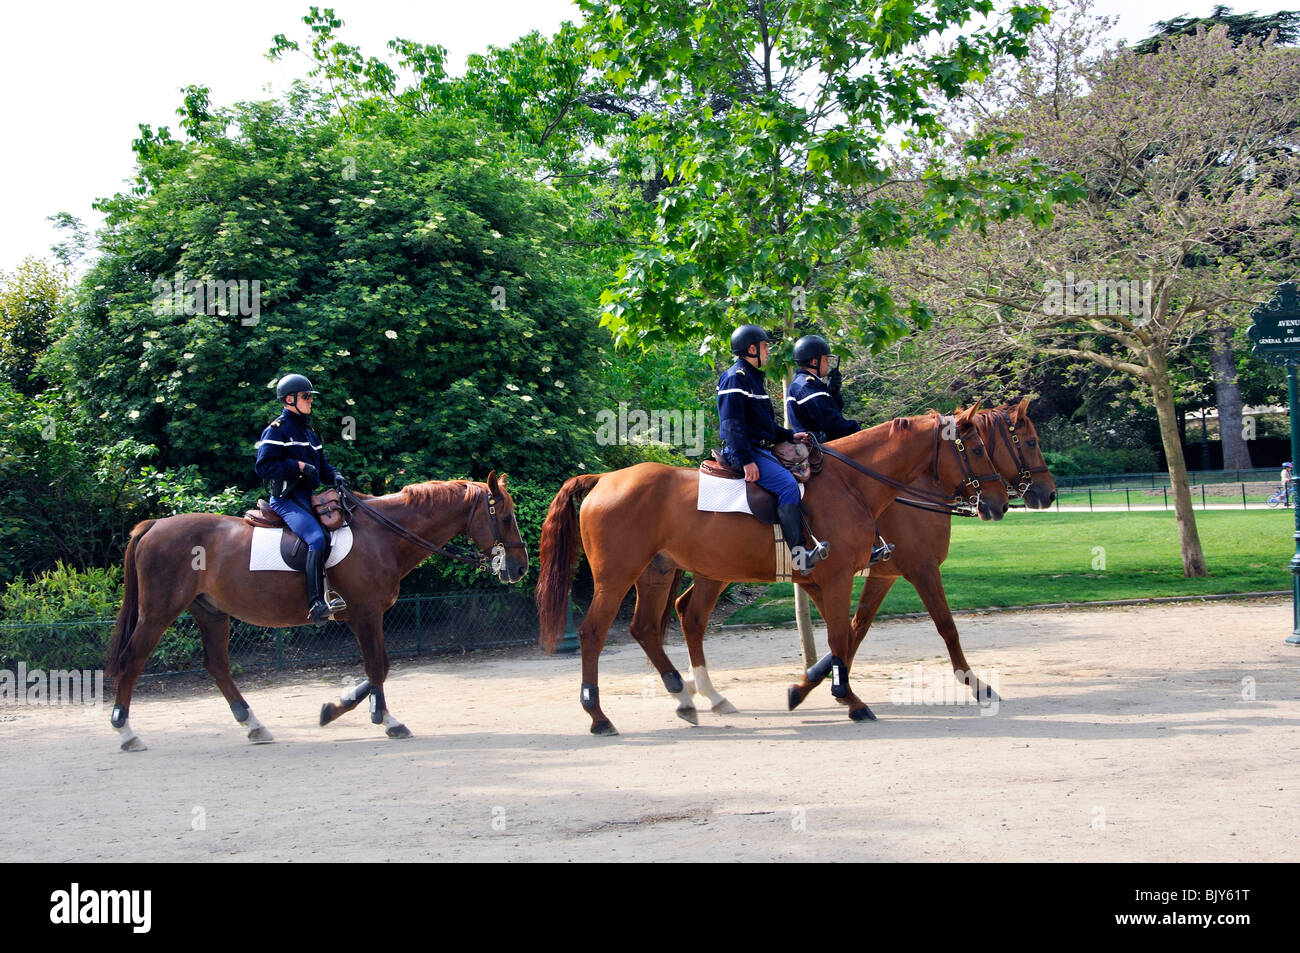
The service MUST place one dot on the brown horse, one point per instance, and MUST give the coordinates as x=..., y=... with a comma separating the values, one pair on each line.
x=200, y=562
x=647, y=512
x=921, y=540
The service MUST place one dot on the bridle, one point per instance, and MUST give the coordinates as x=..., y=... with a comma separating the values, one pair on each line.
x=1025, y=477
x=493, y=561
x=956, y=503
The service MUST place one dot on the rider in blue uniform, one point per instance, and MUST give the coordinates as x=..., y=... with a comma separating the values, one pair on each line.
x=810, y=404
x=749, y=430
x=291, y=457
x=814, y=405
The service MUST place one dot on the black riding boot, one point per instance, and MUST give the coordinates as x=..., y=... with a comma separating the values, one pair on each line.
x=317, y=610
x=792, y=529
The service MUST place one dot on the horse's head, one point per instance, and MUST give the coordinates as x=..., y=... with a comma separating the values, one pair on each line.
x=1017, y=448
x=493, y=528
x=969, y=465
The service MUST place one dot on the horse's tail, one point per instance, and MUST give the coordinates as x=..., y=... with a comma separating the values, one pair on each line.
x=130, y=611
x=559, y=551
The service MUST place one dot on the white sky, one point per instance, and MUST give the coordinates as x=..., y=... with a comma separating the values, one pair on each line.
x=76, y=78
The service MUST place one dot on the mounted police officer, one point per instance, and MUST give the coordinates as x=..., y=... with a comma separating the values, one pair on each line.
x=749, y=430
x=291, y=457
x=817, y=406
x=810, y=403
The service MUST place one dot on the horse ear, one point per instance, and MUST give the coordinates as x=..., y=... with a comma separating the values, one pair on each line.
x=1022, y=411
x=492, y=483
x=969, y=412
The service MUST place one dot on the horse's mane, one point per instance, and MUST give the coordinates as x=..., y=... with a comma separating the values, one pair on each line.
x=434, y=496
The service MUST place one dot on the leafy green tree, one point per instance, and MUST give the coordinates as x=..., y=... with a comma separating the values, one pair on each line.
x=774, y=153
x=407, y=267
x=30, y=299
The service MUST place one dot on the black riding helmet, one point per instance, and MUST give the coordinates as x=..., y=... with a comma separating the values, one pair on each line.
x=745, y=337
x=293, y=384
x=810, y=347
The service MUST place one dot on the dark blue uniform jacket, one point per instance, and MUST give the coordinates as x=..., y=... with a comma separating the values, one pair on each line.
x=287, y=440
x=745, y=413
x=810, y=406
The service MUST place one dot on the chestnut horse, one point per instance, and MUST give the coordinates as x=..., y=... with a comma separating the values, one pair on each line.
x=633, y=516
x=199, y=561
x=920, y=537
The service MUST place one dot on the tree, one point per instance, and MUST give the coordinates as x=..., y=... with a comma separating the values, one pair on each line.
x=1225, y=338
x=772, y=151
x=30, y=299
x=410, y=266
x=1180, y=151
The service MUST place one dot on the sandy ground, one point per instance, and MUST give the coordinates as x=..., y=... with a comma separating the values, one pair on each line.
x=1163, y=733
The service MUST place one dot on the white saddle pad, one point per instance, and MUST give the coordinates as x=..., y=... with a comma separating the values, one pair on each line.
x=265, y=553
x=721, y=495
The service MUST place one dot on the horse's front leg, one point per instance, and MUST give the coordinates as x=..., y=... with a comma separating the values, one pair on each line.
x=368, y=627
x=874, y=589
x=833, y=601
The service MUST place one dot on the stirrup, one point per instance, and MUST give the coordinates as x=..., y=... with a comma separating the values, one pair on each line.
x=803, y=559
x=334, y=601
x=881, y=553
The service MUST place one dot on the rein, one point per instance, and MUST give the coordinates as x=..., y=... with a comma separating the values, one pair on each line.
x=933, y=502
x=484, y=562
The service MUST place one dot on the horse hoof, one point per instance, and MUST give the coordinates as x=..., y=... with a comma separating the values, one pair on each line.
x=689, y=715
x=326, y=714
x=862, y=714
x=399, y=731
x=794, y=698
x=724, y=707
x=260, y=736
x=134, y=744
x=604, y=728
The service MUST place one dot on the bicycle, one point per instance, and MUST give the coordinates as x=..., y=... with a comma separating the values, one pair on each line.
x=1279, y=498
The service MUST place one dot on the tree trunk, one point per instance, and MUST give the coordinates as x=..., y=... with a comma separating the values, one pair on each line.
x=1162, y=394
x=1227, y=396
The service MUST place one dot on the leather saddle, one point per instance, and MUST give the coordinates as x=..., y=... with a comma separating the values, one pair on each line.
x=293, y=548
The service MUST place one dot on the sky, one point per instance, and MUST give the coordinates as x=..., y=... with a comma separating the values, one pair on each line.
x=77, y=78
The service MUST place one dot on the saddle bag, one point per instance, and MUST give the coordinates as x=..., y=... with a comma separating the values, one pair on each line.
x=329, y=509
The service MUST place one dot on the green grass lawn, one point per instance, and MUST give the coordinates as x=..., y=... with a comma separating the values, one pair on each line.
x=1036, y=558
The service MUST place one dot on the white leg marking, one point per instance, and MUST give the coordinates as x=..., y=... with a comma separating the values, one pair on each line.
x=705, y=687
x=130, y=740
x=257, y=733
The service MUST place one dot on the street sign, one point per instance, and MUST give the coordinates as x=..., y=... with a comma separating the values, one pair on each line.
x=1275, y=330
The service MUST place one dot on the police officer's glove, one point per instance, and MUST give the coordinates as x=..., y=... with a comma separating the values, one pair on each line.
x=339, y=483
x=309, y=474
x=833, y=384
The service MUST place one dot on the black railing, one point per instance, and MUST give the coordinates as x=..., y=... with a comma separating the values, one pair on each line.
x=455, y=622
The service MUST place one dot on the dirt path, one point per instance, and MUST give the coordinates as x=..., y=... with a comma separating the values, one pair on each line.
x=1125, y=734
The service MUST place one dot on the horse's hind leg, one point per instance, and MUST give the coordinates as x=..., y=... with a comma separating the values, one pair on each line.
x=215, y=629
x=591, y=636
x=143, y=640
x=694, y=607
x=654, y=590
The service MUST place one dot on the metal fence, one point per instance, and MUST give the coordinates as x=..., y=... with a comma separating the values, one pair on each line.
x=415, y=625
x=1154, y=480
